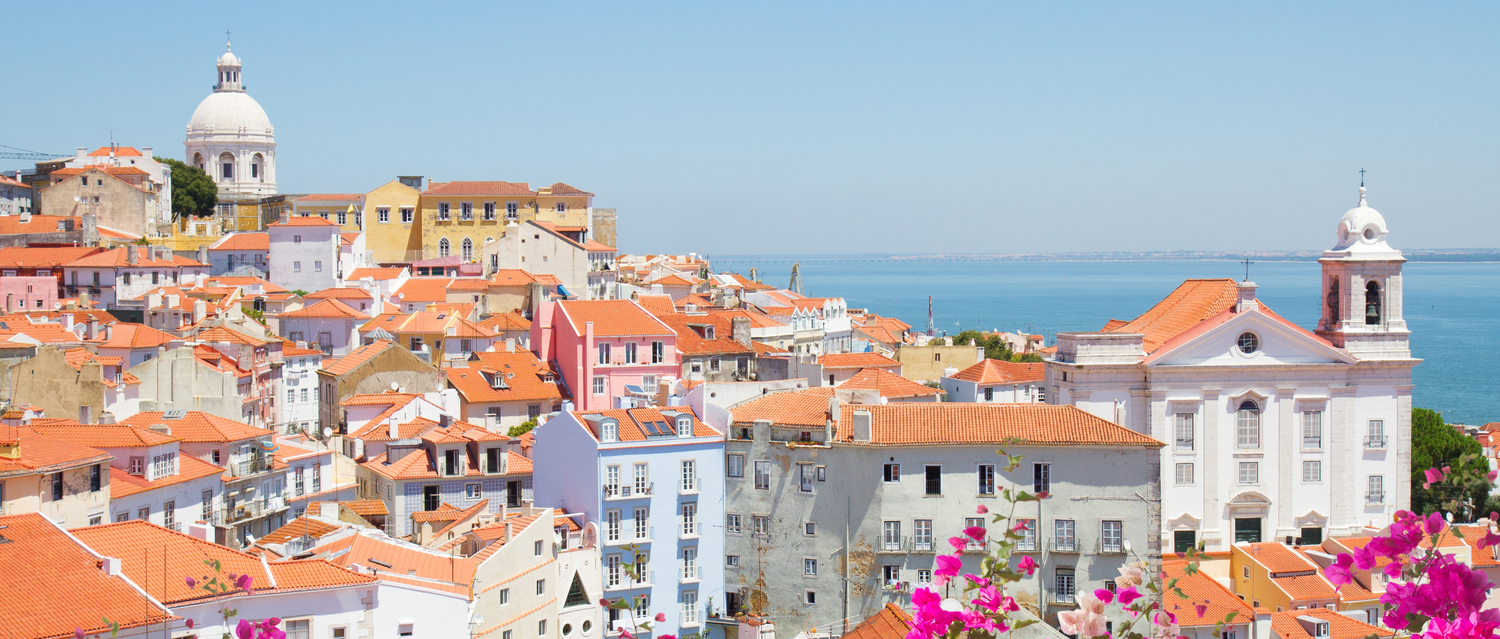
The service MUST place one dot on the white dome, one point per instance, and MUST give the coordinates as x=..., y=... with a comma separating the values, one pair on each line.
x=227, y=111
x=1362, y=229
x=229, y=60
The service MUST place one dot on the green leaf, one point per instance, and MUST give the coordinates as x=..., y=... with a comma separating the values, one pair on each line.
x=1230, y=617
x=1456, y=532
x=620, y=604
x=1414, y=620
x=1022, y=624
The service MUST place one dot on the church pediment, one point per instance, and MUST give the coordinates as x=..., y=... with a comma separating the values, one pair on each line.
x=1250, y=338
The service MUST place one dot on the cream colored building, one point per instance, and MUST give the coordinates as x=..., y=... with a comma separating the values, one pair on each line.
x=65, y=482
x=393, y=231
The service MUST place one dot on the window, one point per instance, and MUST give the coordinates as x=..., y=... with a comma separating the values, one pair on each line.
x=642, y=519
x=609, y=431
x=612, y=525
x=1185, y=474
x=383, y=213
x=890, y=574
x=1247, y=343
x=471, y=491
x=338, y=633
x=1312, y=430
x=1372, y=295
x=732, y=524
x=989, y=394
x=689, y=476
x=541, y=626
x=921, y=534
x=974, y=522
x=762, y=524
x=604, y=353
x=343, y=218
x=510, y=209
x=599, y=385
x=934, y=483
x=689, y=519
x=1376, y=493
x=1041, y=477
x=489, y=210
x=690, y=563
x=1375, y=436
x=466, y=211
x=169, y=514
x=732, y=561
x=891, y=535
x=1028, y=535
x=642, y=479
x=690, y=608
x=1062, y=584
x=541, y=587
x=298, y=481
x=1112, y=537
x=1312, y=471
x=297, y=266
x=208, y=504
x=1248, y=420
x=986, y=479
x=805, y=478
x=809, y=567
x=443, y=211
x=468, y=250
x=561, y=207
x=658, y=353
x=713, y=364
x=1065, y=536
x=1184, y=428
x=1249, y=472
x=762, y=475
x=407, y=213
x=892, y=473
x=296, y=239
x=734, y=465
x=611, y=571
x=444, y=248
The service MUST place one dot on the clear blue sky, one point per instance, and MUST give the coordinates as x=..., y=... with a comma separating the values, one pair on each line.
x=830, y=128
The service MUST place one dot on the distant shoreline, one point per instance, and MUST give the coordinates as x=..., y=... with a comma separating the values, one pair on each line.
x=1481, y=256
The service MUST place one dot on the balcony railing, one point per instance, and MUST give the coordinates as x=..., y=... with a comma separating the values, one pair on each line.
x=628, y=491
x=252, y=510
x=1312, y=443
x=1375, y=442
x=253, y=466
x=1185, y=444
x=1111, y=547
x=1063, y=545
x=1375, y=497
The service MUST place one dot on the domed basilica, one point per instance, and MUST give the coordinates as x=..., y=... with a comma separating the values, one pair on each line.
x=231, y=139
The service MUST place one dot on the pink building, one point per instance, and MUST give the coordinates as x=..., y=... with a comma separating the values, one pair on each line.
x=601, y=346
x=28, y=293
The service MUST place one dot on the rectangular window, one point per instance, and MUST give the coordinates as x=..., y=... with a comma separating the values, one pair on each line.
x=734, y=465
x=511, y=208
x=138, y=466
x=690, y=608
x=762, y=524
x=891, y=473
x=603, y=353
x=1375, y=436
x=1041, y=477
x=690, y=563
x=642, y=519
x=630, y=352
x=1184, y=474
x=934, y=483
x=208, y=505
x=891, y=535
x=1065, y=538
x=658, y=352
x=1063, y=585
x=809, y=567
x=689, y=519
x=1184, y=431
x=169, y=515
x=611, y=481
x=1027, y=541
x=1112, y=537
x=443, y=211
x=805, y=475
x=642, y=479
x=297, y=266
x=489, y=210
x=762, y=475
x=612, y=571
x=1312, y=471
x=1376, y=493
x=298, y=481
x=986, y=479
x=599, y=385
x=890, y=575
x=343, y=218
x=407, y=213
x=384, y=214
x=924, y=576
x=1249, y=472
x=1312, y=430
x=921, y=534
x=612, y=526
x=541, y=587
x=732, y=561
x=466, y=211
x=541, y=628
x=733, y=524
x=95, y=478
x=810, y=528
x=689, y=476
x=472, y=491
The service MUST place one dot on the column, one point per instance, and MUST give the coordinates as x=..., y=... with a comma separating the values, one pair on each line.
x=1212, y=526
x=1346, y=497
x=1287, y=473
x=1401, y=445
x=1158, y=427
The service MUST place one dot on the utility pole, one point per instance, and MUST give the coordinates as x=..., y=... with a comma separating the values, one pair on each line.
x=847, y=511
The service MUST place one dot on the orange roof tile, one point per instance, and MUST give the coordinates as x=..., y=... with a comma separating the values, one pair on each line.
x=1201, y=588
x=198, y=426
x=243, y=242
x=504, y=322
x=245, y=281
x=117, y=151
x=189, y=468
x=613, y=318
x=514, y=277
x=692, y=343
x=145, y=256
x=298, y=528
x=361, y=507
x=1277, y=558
x=304, y=221
x=631, y=420
x=1191, y=303
x=890, y=623
x=994, y=371
x=16, y=225
x=1305, y=587
x=324, y=309
x=344, y=293
x=657, y=305
x=856, y=360
x=887, y=383
x=222, y=334
x=331, y=197
x=524, y=378
x=807, y=407
x=54, y=585
x=925, y=423
x=42, y=454
x=558, y=188
x=479, y=188
x=104, y=435
x=1286, y=626
x=423, y=289
x=398, y=561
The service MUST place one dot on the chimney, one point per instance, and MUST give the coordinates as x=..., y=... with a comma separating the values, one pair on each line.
x=146, y=151
x=130, y=255
x=740, y=328
x=199, y=311
x=111, y=566
x=160, y=428
x=862, y=426
x=93, y=332
x=109, y=331
x=82, y=152
x=284, y=217
x=1246, y=297
x=445, y=420
x=67, y=322
x=329, y=509
x=172, y=300
x=202, y=253
x=510, y=344
x=200, y=530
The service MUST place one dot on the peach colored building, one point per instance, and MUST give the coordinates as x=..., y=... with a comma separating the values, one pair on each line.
x=601, y=346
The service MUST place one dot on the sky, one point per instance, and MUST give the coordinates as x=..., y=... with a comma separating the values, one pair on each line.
x=827, y=127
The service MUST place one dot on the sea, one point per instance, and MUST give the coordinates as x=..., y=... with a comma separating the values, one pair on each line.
x=1451, y=308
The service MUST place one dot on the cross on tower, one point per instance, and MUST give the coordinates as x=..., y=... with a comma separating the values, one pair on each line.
x=1361, y=177
x=226, y=35
x=1247, y=264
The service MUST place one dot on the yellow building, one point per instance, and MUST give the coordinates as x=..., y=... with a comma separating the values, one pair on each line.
x=344, y=209
x=1272, y=575
x=393, y=234
x=457, y=218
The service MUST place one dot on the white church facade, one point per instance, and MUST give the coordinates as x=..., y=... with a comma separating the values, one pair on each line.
x=1272, y=431
x=231, y=139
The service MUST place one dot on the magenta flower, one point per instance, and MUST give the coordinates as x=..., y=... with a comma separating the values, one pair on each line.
x=1027, y=565
x=668, y=637
x=985, y=510
x=978, y=581
x=1434, y=523
x=1489, y=539
x=625, y=633
x=604, y=603
x=1127, y=595
x=1433, y=475
x=1201, y=608
x=1021, y=525
x=946, y=569
x=78, y=633
x=1338, y=572
x=245, y=629
x=975, y=532
x=1043, y=495
x=190, y=624
x=929, y=619
x=958, y=543
x=989, y=598
x=660, y=617
x=1104, y=595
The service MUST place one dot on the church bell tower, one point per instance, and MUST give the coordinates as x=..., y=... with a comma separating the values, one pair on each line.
x=1362, y=289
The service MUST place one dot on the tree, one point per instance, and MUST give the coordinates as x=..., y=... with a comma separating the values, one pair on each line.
x=938, y=342
x=522, y=428
x=193, y=192
x=1435, y=444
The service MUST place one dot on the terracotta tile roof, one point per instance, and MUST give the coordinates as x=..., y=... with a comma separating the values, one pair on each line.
x=325, y=309
x=116, y=258
x=198, y=426
x=613, y=318
x=757, y=319
x=342, y=293
x=314, y=574
x=42, y=454
x=1305, y=587
x=524, y=377
x=1026, y=424
x=890, y=623
x=189, y=468
x=289, y=349
x=514, y=277
x=657, y=305
x=444, y=512
x=361, y=507
x=1479, y=558
x=590, y=245
x=517, y=464
x=994, y=371
x=889, y=384
x=483, y=504
x=14, y=225
x=1277, y=558
x=558, y=188
x=54, y=585
x=376, y=274
x=243, y=242
x=104, y=435
x=479, y=188
x=127, y=335
x=78, y=356
x=631, y=420
x=297, y=528
x=856, y=360
x=423, y=289
x=347, y=239
x=691, y=343
x=762, y=348
x=1200, y=588
x=792, y=408
x=344, y=198
x=222, y=334
x=387, y=398
x=118, y=151
x=304, y=221
x=1286, y=626
x=506, y=322
x=246, y=282
x=1191, y=303
x=426, y=568
x=103, y=168
x=53, y=334
x=878, y=333
x=674, y=279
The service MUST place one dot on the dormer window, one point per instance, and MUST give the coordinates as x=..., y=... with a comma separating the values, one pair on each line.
x=609, y=431
x=450, y=462
x=1321, y=629
x=497, y=381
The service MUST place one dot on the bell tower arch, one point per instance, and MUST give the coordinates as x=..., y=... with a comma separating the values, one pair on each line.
x=1362, y=287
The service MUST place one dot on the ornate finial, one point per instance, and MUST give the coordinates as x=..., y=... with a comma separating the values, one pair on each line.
x=1362, y=195
x=226, y=40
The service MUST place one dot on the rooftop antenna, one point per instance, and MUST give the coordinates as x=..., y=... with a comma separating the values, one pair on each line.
x=931, y=330
x=1247, y=264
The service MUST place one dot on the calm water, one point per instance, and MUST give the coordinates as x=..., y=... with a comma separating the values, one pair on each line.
x=1452, y=309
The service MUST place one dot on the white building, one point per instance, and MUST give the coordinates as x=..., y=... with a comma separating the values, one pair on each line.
x=330, y=325
x=299, y=388
x=127, y=273
x=304, y=253
x=243, y=254
x=1273, y=431
x=993, y=380
x=15, y=197
x=585, y=267
x=231, y=139
x=159, y=174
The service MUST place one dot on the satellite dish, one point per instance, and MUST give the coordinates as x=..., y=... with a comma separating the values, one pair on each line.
x=327, y=432
x=395, y=386
x=1127, y=545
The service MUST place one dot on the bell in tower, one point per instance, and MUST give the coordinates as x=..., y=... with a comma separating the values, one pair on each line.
x=1362, y=264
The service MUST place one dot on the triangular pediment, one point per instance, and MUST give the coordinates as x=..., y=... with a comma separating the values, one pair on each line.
x=1275, y=342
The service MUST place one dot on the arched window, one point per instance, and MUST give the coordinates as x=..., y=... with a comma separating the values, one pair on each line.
x=226, y=166
x=256, y=172
x=443, y=247
x=1372, y=303
x=1248, y=422
x=198, y=160
x=468, y=250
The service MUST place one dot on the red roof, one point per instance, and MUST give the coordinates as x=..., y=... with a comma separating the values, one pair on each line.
x=122, y=483
x=632, y=420
x=1286, y=626
x=613, y=318
x=198, y=426
x=243, y=242
x=331, y=197
x=856, y=360
x=890, y=623
x=1201, y=588
x=54, y=585
x=524, y=376
x=357, y=356
x=327, y=309
x=118, y=151
x=423, y=289
x=925, y=423
x=993, y=371
x=691, y=329
x=376, y=274
x=478, y=188
x=42, y=454
x=887, y=383
x=116, y=258
x=558, y=188
x=1191, y=303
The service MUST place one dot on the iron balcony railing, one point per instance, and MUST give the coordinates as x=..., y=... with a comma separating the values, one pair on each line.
x=1375, y=497
x=252, y=510
x=1063, y=545
x=1376, y=442
x=253, y=466
x=628, y=491
x=1109, y=547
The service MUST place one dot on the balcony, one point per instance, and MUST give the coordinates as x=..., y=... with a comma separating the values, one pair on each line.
x=1375, y=442
x=1185, y=445
x=253, y=510
x=1375, y=497
x=628, y=491
x=894, y=544
x=1312, y=443
x=1111, y=547
x=1062, y=545
x=251, y=467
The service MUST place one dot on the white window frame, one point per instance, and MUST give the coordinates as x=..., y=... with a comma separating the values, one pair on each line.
x=1249, y=473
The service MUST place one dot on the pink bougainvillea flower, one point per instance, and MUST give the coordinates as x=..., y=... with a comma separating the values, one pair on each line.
x=1026, y=565
x=978, y=581
x=958, y=543
x=1164, y=626
x=78, y=633
x=192, y=583
x=1433, y=475
x=1489, y=539
x=1021, y=525
x=1132, y=574
x=989, y=598
x=1104, y=595
x=660, y=617
x=929, y=617
x=1338, y=572
x=668, y=637
x=1201, y=608
x=1363, y=557
x=1088, y=620
x=1043, y=495
x=245, y=629
x=1127, y=595
x=945, y=569
x=625, y=633
x=985, y=510
x=1491, y=476
x=975, y=532
x=1434, y=523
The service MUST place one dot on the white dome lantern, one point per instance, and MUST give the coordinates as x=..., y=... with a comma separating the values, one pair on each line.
x=230, y=137
x=1362, y=229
